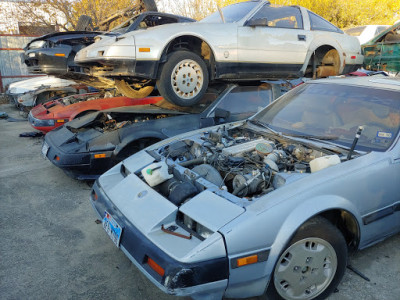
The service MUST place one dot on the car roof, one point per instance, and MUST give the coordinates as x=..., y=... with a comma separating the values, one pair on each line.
x=378, y=82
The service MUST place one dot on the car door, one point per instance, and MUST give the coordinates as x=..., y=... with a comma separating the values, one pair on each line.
x=273, y=43
x=379, y=199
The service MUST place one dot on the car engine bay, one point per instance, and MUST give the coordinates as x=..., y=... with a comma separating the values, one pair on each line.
x=237, y=164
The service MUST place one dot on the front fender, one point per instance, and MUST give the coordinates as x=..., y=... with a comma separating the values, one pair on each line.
x=305, y=211
x=271, y=229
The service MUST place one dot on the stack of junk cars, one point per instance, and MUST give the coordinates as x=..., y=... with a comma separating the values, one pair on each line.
x=213, y=178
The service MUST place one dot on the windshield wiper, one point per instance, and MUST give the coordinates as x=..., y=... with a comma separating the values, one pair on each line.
x=313, y=137
x=264, y=125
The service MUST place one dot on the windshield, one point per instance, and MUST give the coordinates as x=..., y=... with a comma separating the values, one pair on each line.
x=336, y=111
x=122, y=28
x=232, y=13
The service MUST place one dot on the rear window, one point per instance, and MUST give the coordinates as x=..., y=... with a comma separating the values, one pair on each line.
x=319, y=23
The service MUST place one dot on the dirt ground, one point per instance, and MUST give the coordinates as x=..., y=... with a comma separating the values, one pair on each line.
x=51, y=247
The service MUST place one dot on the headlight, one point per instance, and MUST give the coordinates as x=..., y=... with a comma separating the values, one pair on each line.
x=43, y=123
x=203, y=231
x=37, y=44
x=195, y=227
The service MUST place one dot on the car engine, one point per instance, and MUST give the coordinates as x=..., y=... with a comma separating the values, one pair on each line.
x=236, y=163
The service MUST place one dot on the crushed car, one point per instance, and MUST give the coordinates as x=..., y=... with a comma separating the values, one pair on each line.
x=31, y=92
x=45, y=117
x=272, y=204
x=88, y=146
x=250, y=40
x=54, y=53
x=382, y=53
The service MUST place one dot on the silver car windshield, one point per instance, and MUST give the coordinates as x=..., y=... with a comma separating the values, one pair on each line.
x=336, y=111
x=232, y=13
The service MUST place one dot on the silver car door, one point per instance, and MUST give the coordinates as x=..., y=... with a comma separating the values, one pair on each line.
x=273, y=41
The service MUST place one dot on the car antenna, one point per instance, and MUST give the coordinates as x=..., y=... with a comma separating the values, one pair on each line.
x=358, y=134
x=221, y=13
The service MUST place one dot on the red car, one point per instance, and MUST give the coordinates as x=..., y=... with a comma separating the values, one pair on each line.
x=45, y=117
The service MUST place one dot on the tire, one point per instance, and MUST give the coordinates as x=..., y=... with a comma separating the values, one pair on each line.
x=183, y=79
x=83, y=23
x=130, y=91
x=312, y=265
x=150, y=5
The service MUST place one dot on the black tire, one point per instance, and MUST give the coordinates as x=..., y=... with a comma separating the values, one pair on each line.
x=192, y=84
x=84, y=23
x=150, y=5
x=325, y=248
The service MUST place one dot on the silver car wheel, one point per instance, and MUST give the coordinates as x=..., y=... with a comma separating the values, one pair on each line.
x=305, y=269
x=187, y=79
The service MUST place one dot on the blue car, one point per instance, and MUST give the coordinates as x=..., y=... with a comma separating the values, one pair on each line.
x=274, y=204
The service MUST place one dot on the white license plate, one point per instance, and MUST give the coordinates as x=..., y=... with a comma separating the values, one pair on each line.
x=31, y=54
x=112, y=228
x=45, y=149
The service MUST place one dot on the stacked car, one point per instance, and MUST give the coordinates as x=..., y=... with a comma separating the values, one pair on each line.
x=212, y=174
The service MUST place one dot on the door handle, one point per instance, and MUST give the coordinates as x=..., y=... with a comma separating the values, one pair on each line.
x=301, y=37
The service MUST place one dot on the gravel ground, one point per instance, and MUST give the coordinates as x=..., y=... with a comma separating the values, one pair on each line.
x=51, y=247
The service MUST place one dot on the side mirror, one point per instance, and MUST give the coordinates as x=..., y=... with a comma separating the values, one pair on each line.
x=221, y=115
x=257, y=22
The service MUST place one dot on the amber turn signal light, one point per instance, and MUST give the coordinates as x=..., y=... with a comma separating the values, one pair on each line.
x=155, y=266
x=247, y=260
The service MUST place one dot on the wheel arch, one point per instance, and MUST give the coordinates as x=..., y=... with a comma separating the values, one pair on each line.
x=192, y=43
x=320, y=50
x=83, y=113
x=337, y=210
x=146, y=136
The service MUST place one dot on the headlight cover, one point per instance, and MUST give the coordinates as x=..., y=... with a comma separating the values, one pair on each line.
x=195, y=227
x=37, y=44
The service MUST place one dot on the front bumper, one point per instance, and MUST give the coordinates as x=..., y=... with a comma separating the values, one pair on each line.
x=200, y=280
x=49, y=61
x=123, y=68
x=43, y=125
x=81, y=166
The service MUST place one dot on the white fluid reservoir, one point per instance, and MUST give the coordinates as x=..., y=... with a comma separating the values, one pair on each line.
x=324, y=162
x=156, y=173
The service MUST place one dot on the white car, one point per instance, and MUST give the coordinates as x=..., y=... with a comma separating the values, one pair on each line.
x=366, y=32
x=34, y=91
x=244, y=41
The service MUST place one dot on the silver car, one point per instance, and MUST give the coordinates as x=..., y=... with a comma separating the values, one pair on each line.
x=247, y=41
x=273, y=204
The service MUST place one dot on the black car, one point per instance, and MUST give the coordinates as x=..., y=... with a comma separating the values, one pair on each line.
x=54, y=53
x=88, y=146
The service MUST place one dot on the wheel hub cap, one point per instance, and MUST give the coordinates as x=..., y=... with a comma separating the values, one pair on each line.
x=187, y=79
x=305, y=269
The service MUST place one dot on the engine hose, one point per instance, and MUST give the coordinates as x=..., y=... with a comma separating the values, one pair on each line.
x=196, y=161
